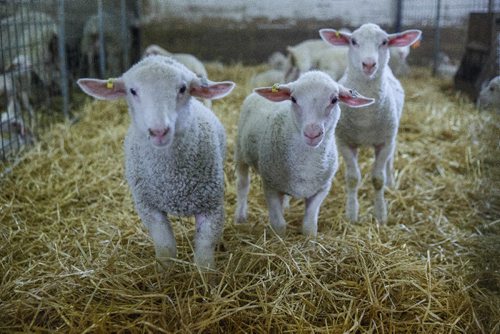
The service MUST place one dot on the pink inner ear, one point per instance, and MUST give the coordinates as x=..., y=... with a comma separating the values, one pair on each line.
x=213, y=91
x=359, y=101
x=405, y=38
x=334, y=37
x=99, y=88
x=282, y=94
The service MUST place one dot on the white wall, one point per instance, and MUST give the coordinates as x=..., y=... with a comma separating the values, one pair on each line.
x=245, y=10
x=352, y=12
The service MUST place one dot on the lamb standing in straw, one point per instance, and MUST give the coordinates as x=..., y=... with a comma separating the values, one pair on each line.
x=286, y=133
x=369, y=72
x=174, y=150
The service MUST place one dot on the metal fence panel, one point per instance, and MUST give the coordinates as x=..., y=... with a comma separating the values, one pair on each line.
x=45, y=45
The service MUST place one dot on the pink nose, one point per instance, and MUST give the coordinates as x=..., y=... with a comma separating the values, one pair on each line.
x=313, y=133
x=369, y=65
x=158, y=133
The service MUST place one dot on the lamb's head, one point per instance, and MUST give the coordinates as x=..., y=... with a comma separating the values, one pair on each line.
x=369, y=46
x=158, y=91
x=489, y=97
x=314, y=103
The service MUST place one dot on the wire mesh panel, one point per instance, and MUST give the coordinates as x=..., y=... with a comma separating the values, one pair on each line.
x=45, y=46
x=446, y=21
x=30, y=73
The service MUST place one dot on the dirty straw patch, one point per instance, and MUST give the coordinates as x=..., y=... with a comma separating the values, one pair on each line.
x=75, y=257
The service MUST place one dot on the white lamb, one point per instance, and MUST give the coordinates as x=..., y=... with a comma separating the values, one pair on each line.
x=278, y=61
x=303, y=57
x=15, y=86
x=267, y=78
x=188, y=60
x=286, y=134
x=398, y=60
x=333, y=61
x=174, y=150
x=369, y=72
x=489, y=97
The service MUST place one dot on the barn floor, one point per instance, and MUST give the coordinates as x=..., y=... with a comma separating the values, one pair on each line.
x=75, y=257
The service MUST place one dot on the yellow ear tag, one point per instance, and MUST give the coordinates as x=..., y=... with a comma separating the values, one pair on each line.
x=109, y=83
x=275, y=88
x=337, y=34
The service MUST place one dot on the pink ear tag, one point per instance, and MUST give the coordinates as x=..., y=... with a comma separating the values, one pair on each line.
x=109, y=83
x=275, y=88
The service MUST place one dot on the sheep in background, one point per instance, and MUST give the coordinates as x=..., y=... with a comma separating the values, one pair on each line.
x=398, y=60
x=286, y=133
x=278, y=64
x=15, y=86
x=39, y=45
x=267, y=78
x=174, y=150
x=278, y=61
x=445, y=67
x=113, y=48
x=333, y=61
x=315, y=54
x=188, y=60
x=489, y=96
x=377, y=127
x=303, y=57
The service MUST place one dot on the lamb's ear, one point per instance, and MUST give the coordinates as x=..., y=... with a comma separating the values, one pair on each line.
x=110, y=89
x=335, y=37
x=405, y=38
x=206, y=89
x=353, y=99
x=276, y=93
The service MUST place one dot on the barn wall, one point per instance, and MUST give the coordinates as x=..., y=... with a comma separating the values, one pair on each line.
x=248, y=31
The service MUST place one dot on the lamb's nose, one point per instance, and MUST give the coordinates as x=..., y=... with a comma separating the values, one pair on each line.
x=159, y=133
x=312, y=134
x=369, y=65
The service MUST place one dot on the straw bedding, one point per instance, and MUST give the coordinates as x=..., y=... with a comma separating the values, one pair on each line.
x=75, y=257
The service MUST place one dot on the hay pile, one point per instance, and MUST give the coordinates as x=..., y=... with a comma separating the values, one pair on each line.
x=75, y=257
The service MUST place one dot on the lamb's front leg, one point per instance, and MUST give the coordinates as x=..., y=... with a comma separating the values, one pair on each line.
x=209, y=228
x=313, y=203
x=382, y=155
x=160, y=230
x=274, y=201
x=352, y=178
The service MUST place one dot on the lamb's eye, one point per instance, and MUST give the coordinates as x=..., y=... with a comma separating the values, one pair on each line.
x=294, y=100
x=334, y=100
x=384, y=42
x=182, y=90
x=353, y=42
x=133, y=92
x=492, y=89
